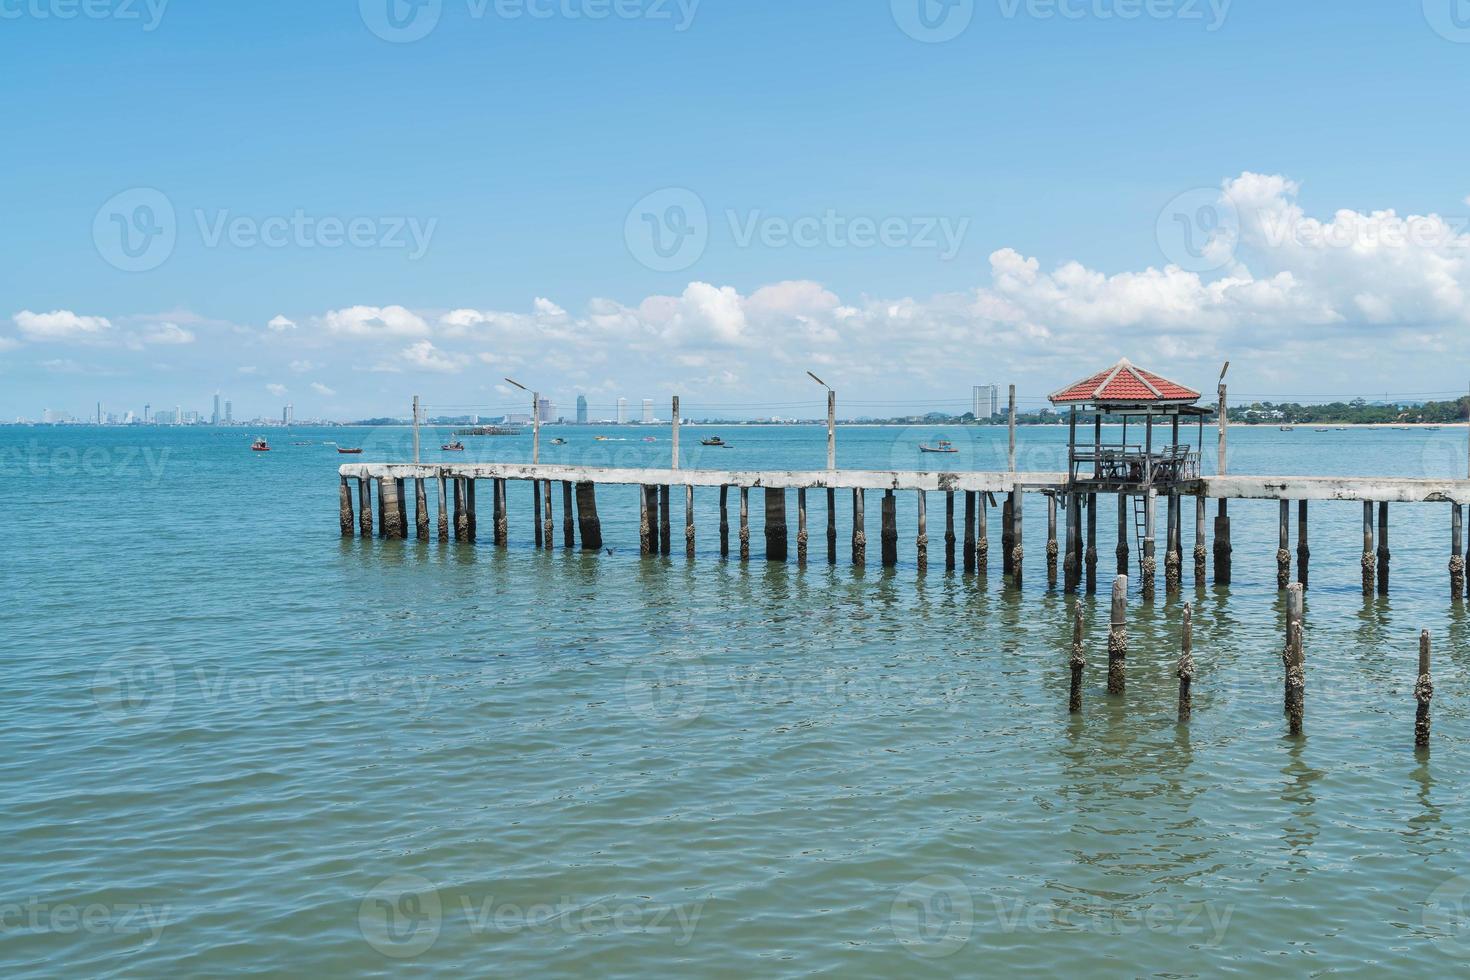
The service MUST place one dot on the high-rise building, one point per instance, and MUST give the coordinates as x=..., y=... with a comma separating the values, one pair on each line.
x=986, y=401
x=648, y=411
x=288, y=414
x=546, y=409
x=622, y=411
x=214, y=419
x=229, y=412
x=99, y=413
x=147, y=414
x=581, y=409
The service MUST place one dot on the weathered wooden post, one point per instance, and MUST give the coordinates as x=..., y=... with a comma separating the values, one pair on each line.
x=949, y=538
x=922, y=544
x=776, y=539
x=1199, y=541
x=443, y=527
x=645, y=529
x=500, y=511
x=421, y=508
x=745, y=523
x=969, y=546
x=982, y=544
x=1303, y=552
x=1294, y=659
x=1052, y=549
x=548, y=529
x=1173, y=559
x=1122, y=550
x=461, y=515
x=665, y=521
x=1383, y=552
x=1091, y=555
x=831, y=526
x=1457, y=558
x=402, y=488
x=1118, y=637
x=1007, y=534
x=344, y=508
x=588, y=523
x=889, y=530
x=388, y=495
x=536, y=513
x=1423, y=694
x=470, y=521
x=801, y=534
x=1150, y=504
x=1370, y=559
x=1222, y=543
x=1186, y=666
x=382, y=500
x=859, y=529
x=1072, y=562
x=724, y=522
x=689, y=520
x=1283, y=556
x=1018, y=550
x=1079, y=659
x=568, y=528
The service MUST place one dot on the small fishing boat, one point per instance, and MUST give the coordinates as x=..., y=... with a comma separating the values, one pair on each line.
x=260, y=445
x=453, y=447
x=713, y=441
x=558, y=441
x=1431, y=428
x=349, y=452
x=1288, y=428
x=650, y=438
x=1319, y=430
x=943, y=446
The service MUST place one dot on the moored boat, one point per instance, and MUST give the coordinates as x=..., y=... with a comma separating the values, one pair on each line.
x=349, y=452
x=453, y=447
x=260, y=445
x=943, y=446
x=715, y=441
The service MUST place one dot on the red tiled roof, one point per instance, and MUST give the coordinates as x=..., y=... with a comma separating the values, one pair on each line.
x=1124, y=383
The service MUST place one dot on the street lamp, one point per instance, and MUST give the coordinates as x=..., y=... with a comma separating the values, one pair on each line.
x=535, y=420
x=831, y=421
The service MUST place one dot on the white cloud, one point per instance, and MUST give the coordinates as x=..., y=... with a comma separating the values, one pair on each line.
x=375, y=321
x=322, y=389
x=279, y=324
x=60, y=325
x=302, y=366
x=424, y=356
x=275, y=389
x=247, y=369
x=166, y=333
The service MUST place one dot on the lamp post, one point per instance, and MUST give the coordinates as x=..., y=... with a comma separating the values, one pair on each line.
x=831, y=421
x=535, y=420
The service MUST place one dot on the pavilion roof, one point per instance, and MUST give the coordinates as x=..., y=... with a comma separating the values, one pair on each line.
x=1125, y=384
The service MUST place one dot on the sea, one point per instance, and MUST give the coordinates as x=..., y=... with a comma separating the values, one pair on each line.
x=237, y=743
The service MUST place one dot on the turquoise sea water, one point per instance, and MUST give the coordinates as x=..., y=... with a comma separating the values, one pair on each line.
x=238, y=743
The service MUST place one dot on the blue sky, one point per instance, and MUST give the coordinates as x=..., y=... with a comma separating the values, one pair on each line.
x=907, y=215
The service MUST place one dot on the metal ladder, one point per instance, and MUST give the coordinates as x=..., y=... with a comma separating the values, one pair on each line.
x=1140, y=529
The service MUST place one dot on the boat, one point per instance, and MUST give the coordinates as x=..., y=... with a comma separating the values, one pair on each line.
x=558, y=441
x=715, y=441
x=1431, y=428
x=349, y=452
x=260, y=445
x=650, y=438
x=1320, y=430
x=944, y=446
x=453, y=447
x=1287, y=428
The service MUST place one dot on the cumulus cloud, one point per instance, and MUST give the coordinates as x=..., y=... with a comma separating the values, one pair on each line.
x=275, y=389
x=166, y=333
x=424, y=356
x=322, y=389
x=375, y=321
x=279, y=324
x=60, y=325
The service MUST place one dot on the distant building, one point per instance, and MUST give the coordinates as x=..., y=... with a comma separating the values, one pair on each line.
x=622, y=411
x=214, y=419
x=648, y=411
x=165, y=417
x=288, y=414
x=581, y=409
x=517, y=418
x=985, y=401
x=546, y=410
x=229, y=413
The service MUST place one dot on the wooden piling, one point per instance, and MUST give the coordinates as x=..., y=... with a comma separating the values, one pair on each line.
x=470, y=521
x=421, y=508
x=1173, y=559
x=745, y=524
x=1303, y=552
x=568, y=528
x=1122, y=550
x=1200, y=554
x=1007, y=531
x=1283, y=535
x=344, y=508
x=1383, y=552
x=1457, y=557
x=548, y=529
x=1072, y=572
x=831, y=526
x=388, y=498
x=665, y=521
x=1090, y=557
x=401, y=486
x=1018, y=551
x=588, y=523
x=443, y=526
x=1186, y=665
x=460, y=527
x=801, y=533
x=1222, y=543
x=689, y=521
x=1150, y=501
x=1294, y=659
x=1051, y=543
x=859, y=529
x=1423, y=694
x=645, y=529
x=382, y=499
x=949, y=537
x=500, y=512
x=969, y=545
x=1370, y=559
x=922, y=544
x=1078, y=661
x=536, y=514
x=889, y=532
x=776, y=537
x=1118, y=637
x=982, y=543
x=724, y=522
